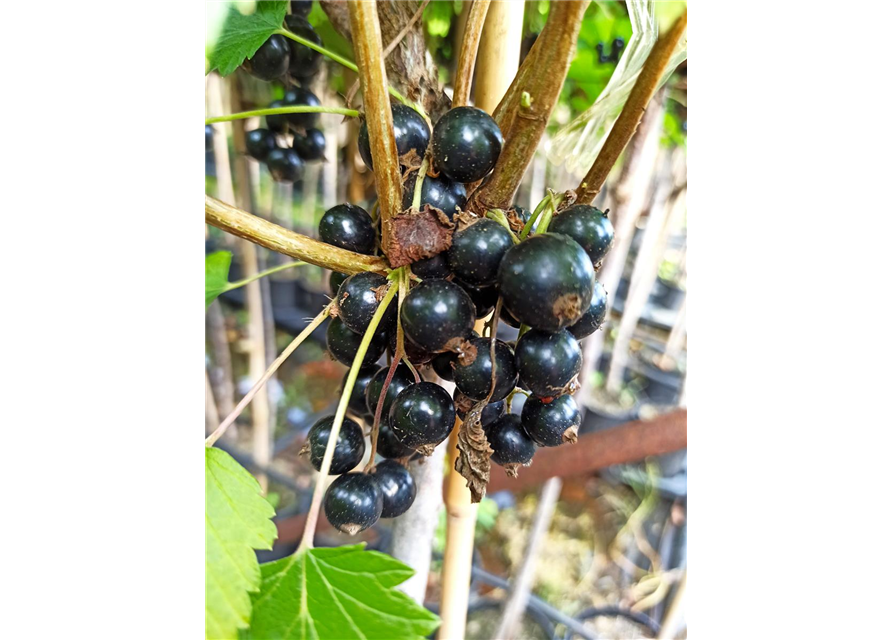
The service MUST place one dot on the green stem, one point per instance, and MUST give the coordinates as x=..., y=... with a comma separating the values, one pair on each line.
x=351, y=113
x=499, y=216
x=282, y=267
x=533, y=216
x=550, y=209
x=419, y=181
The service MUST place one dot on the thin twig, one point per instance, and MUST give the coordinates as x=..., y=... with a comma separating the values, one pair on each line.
x=474, y=26
x=350, y=113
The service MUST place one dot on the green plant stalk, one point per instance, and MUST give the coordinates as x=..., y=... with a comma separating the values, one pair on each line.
x=533, y=216
x=419, y=181
x=282, y=267
x=318, y=490
x=350, y=113
x=550, y=209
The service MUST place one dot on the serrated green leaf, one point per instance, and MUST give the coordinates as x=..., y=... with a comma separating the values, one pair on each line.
x=242, y=34
x=237, y=521
x=333, y=594
x=216, y=275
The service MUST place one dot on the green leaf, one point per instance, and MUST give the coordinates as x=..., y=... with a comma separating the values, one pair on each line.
x=332, y=594
x=216, y=275
x=243, y=34
x=237, y=521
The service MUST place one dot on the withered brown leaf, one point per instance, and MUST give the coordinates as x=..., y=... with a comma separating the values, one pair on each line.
x=473, y=462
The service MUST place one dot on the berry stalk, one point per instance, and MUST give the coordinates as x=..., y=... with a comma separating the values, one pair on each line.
x=349, y=113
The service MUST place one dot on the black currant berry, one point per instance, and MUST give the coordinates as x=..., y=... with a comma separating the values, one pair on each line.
x=358, y=299
x=588, y=226
x=349, y=449
x=410, y=131
x=548, y=362
x=473, y=379
x=440, y=193
x=349, y=227
x=433, y=267
x=546, y=281
x=271, y=60
x=310, y=146
x=489, y=414
x=436, y=312
x=416, y=354
x=343, y=344
x=422, y=414
x=335, y=280
x=466, y=144
x=304, y=62
x=357, y=401
x=285, y=165
x=402, y=379
x=477, y=251
x=397, y=487
x=506, y=317
x=442, y=363
x=388, y=445
x=301, y=8
x=353, y=503
x=298, y=97
x=484, y=298
x=510, y=444
x=259, y=143
x=550, y=424
x=594, y=316
x=277, y=122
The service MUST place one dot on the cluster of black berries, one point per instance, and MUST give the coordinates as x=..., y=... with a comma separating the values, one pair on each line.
x=614, y=56
x=546, y=282
x=280, y=57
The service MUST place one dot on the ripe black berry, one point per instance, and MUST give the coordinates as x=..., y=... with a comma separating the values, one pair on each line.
x=358, y=299
x=473, y=379
x=311, y=145
x=594, y=316
x=402, y=379
x=422, y=414
x=550, y=424
x=277, y=122
x=349, y=227
x=440, y=193
x=484, y=298
x=548, y=362
x=335, y=280
x=353, y=503
x=436, y=312
x=388, y=445
x=259, y=143
x=506, y=316
x=416, y=354
x=588, y=226
x=357, y=400
x=410, y=131
x=271, y=60
x=304, y=62
x=285, y=165
x=510, y=444
x=397, y=487
x=349, y=449
x=433, y=267
x=301, y=8
x=443, y=363
x=477, y=251
x=546, y=281
x=466, y=144
x=343, y=344
x=296, y=97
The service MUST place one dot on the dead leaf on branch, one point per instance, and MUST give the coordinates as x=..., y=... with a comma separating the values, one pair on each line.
x=416, y=235
x=473, y=462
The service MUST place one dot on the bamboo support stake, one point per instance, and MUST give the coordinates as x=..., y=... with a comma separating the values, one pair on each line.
x=501, y=40
x=468, y=52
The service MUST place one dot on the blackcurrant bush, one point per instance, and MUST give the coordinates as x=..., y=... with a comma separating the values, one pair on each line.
x=349, y=227
x=277, y=122
x=298, y=97
x=285, y=165
x=434, y=267
x=259, y=143
x=550, y=424
x=410, y=131
x=397, y=487
x=474, y=378
x=301, y=8
x=477, y=251
x=422, y=414
x=358, y=298
x=343, y=344
x=466, y=144
x=484, y=298
x=311, y=145
x=402, y=379
x=388, y=445
x=349, y=449
x=357, y=400
x=304, y=62
x=594, y=316
x=510, y=444
x=271, y=60
x=335, y=280
x=548, y=362
x=353, y=502
x=439, y=193
x=546, y=281
x=588, y=226
x=436, y=312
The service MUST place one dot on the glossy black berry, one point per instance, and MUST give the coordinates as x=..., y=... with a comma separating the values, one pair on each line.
x=397, y=488
x=259, y=143
x=550, y=424
x=466, y=144
x=436, y=312
x=349, y=227
x=335, y=280
x=301, y=8
x=285, y=165
x=410, y=131
x=474, y=378
x=402, y=379
x=416, y=354
x=484, y=298
x=271, y=60
x=296, y=97
x=343, y=344
x=588, y=226
x=359, y=297
x=422, y=414
x=277, y=122
x=477, y=251
x=357, y=400
x=546, y=281
x=353, y=502
x=311, y=145
x=439, y=192
x=349, y=449
x=442, y=363
x=304, y=62
x=506, y=316
x=510, y=443
x=388, y=445
x=434, y=267
x=547, y=362
x=594, y=316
